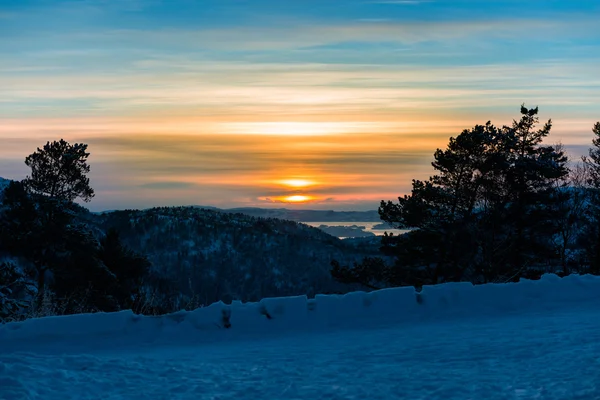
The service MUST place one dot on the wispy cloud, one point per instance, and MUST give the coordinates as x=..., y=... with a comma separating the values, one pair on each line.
x=305, y=35
x=219, y=99
x=180, y=86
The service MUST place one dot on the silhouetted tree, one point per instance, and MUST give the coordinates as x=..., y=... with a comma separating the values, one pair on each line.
x=25, y=232
x=59, y=171
x=129, y=267
x=591, y=239
x=38, y=213
x=20, y=223
x=371, y=273
x=572, y=202
x=592, y=161
x=58, y=177
x=487, y=214
x=80, y=280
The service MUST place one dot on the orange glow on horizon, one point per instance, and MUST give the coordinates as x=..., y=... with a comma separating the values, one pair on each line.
x=297, y=199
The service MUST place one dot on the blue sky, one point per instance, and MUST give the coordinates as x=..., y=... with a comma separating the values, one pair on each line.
x=353, y=96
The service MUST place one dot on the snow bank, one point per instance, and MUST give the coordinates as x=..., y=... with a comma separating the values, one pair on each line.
x=276, y=315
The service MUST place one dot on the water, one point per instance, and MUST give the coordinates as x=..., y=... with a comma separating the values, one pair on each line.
x=368, y=227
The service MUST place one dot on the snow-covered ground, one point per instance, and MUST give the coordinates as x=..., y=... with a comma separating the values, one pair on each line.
x=515, y=341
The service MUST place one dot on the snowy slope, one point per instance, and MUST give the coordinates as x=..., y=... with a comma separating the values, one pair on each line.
x=533, y=339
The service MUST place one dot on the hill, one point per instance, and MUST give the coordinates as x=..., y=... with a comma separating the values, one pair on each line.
x=213, y=255
x=200, y=256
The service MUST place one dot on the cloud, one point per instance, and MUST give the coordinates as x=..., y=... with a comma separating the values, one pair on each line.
x=215, y=111
x=215, y=170
x=185, y=87
x=167, y=185
x=298, y=36
x=306, y=34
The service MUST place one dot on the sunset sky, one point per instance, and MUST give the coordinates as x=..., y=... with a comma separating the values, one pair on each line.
x=317, y=104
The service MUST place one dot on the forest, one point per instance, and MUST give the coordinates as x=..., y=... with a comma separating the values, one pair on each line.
x=56, y=257
x=501, y=205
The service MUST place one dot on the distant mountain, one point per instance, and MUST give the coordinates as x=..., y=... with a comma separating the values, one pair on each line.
x=224, y=256
x=295, y=215
x=309, y=215
x=238, y=254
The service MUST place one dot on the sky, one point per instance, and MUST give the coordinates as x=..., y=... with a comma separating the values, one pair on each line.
x=314, y=104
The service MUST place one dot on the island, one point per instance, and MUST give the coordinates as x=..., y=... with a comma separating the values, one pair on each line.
x=346, y=231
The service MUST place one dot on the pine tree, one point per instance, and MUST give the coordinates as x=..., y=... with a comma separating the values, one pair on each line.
x=591, y=239
x=59, y=171
x=487, y=212
x=40, y=210
x=129, y=268
x=593, y=160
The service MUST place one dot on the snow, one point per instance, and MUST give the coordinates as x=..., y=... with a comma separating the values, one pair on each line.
x=533, y=339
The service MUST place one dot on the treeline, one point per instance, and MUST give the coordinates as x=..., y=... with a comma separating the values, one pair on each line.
x=502, y=205
x=207, y=255
x=52, y=263
x=58, y=258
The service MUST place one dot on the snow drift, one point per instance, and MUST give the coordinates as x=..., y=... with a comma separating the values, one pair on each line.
x=293, y=314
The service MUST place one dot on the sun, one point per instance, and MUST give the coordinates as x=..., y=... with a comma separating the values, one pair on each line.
x=297, y=199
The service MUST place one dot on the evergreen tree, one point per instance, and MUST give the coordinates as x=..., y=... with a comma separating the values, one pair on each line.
x=129, y=268
x=591, y=239
x=530, y=176
x=38, y=213
x=593, y=160
x=15, y=288
x=486, y=215
x=80, y=280
x=371, y=272
x=20, y=221
x=59, y=171
x=24, y=232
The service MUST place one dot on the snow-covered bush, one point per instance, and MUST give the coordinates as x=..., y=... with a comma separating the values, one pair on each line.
x=16, y=292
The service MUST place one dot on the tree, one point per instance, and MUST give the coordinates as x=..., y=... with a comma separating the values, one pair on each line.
x=35, y=230
x=369, y=273
x=591, y=239
x=42, y=228
x=129, y=268
x=15, y=288
x=20, y=222
x=572, y=203
x=80, y=280
x=593, y=160
x=531, y=173
x=39, y=211
x=59, y=171
x=24, y=232
x=487, y=213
